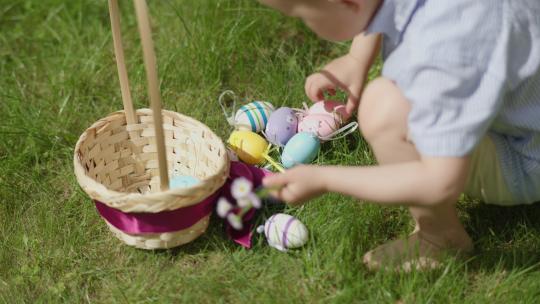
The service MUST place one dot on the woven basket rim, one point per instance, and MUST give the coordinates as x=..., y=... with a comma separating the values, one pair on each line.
x=88, y=182
x=177, y=238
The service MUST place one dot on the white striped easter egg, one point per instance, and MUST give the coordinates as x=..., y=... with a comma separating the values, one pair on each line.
x=253, y=116
x=284, y=231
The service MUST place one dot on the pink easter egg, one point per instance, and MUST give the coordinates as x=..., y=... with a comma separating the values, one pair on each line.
x=322, y=125
x=329, y=107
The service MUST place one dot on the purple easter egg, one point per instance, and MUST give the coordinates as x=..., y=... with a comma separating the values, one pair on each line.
x=281, y=126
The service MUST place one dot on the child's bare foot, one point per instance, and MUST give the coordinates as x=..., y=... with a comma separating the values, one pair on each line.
x=418, y=251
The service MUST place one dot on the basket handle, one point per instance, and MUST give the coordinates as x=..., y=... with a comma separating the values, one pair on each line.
x=120, y=63
x=153, y=88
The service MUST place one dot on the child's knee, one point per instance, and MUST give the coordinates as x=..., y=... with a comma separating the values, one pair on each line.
x=382, y=109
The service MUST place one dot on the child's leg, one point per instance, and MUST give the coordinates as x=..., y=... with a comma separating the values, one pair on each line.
x=383, y=121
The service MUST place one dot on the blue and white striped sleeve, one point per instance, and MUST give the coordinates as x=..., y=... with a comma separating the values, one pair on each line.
x=451, y=67
x=452, y=106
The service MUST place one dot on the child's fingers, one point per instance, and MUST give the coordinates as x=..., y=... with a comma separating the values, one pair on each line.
x=278, y=192
x=353, y=100
x=291, y=197
x=351, y=106
x=312, y=92
x=316, y=91
x=315, y=86
x=308, y=85
x=275, y=180
x=284, y=194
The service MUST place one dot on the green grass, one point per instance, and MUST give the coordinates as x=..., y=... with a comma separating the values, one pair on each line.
x=57, y=76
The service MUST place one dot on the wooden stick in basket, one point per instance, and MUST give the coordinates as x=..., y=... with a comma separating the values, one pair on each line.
x=153, y=88
x=120, y=63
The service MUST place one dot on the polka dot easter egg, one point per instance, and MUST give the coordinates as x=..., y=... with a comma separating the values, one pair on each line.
x=323, y=119
x=281, y=126
x=320, y=125
x=302, y=148
x=329, y=107
x=284, y=232
x=253, y=116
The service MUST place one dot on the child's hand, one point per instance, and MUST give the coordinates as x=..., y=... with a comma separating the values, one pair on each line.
x=296, y=185
x=346, y=73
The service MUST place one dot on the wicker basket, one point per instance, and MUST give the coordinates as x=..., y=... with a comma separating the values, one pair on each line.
x=121, y=171
x=117, y=160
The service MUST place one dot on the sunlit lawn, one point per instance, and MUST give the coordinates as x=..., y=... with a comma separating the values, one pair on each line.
x=57, y=76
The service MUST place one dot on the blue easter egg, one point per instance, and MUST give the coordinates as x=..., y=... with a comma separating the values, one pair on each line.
x=182, y=181
x=302, y=148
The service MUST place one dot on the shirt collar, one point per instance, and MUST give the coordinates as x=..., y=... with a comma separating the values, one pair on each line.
x=392, y=17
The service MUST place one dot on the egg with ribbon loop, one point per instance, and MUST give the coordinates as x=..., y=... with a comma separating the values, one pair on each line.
x=323, y=119
x=329, y=107
x=282, y=125
x=253, y=116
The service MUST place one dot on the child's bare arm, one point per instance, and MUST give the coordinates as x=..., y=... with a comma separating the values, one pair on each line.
x=365, y=48
x=348, y=72
x=425, y=182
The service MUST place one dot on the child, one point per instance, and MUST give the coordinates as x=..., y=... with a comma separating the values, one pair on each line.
x=457, y=109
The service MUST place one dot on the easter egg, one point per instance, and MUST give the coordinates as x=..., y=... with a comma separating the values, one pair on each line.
x=322, y=125
x=284, y=232
x=329, y=107
x=302, y=148
x=182, y=181
x=253, y=116
x=249, y=146
x=282, y=125
x=323, y=118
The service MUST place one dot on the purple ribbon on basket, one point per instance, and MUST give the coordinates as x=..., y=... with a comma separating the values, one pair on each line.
x=165, y=221
x=183, y=218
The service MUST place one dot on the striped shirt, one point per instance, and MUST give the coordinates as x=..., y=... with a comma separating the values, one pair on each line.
x=469, y=68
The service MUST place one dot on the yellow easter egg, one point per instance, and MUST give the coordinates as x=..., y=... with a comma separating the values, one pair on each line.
x=249, y=146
